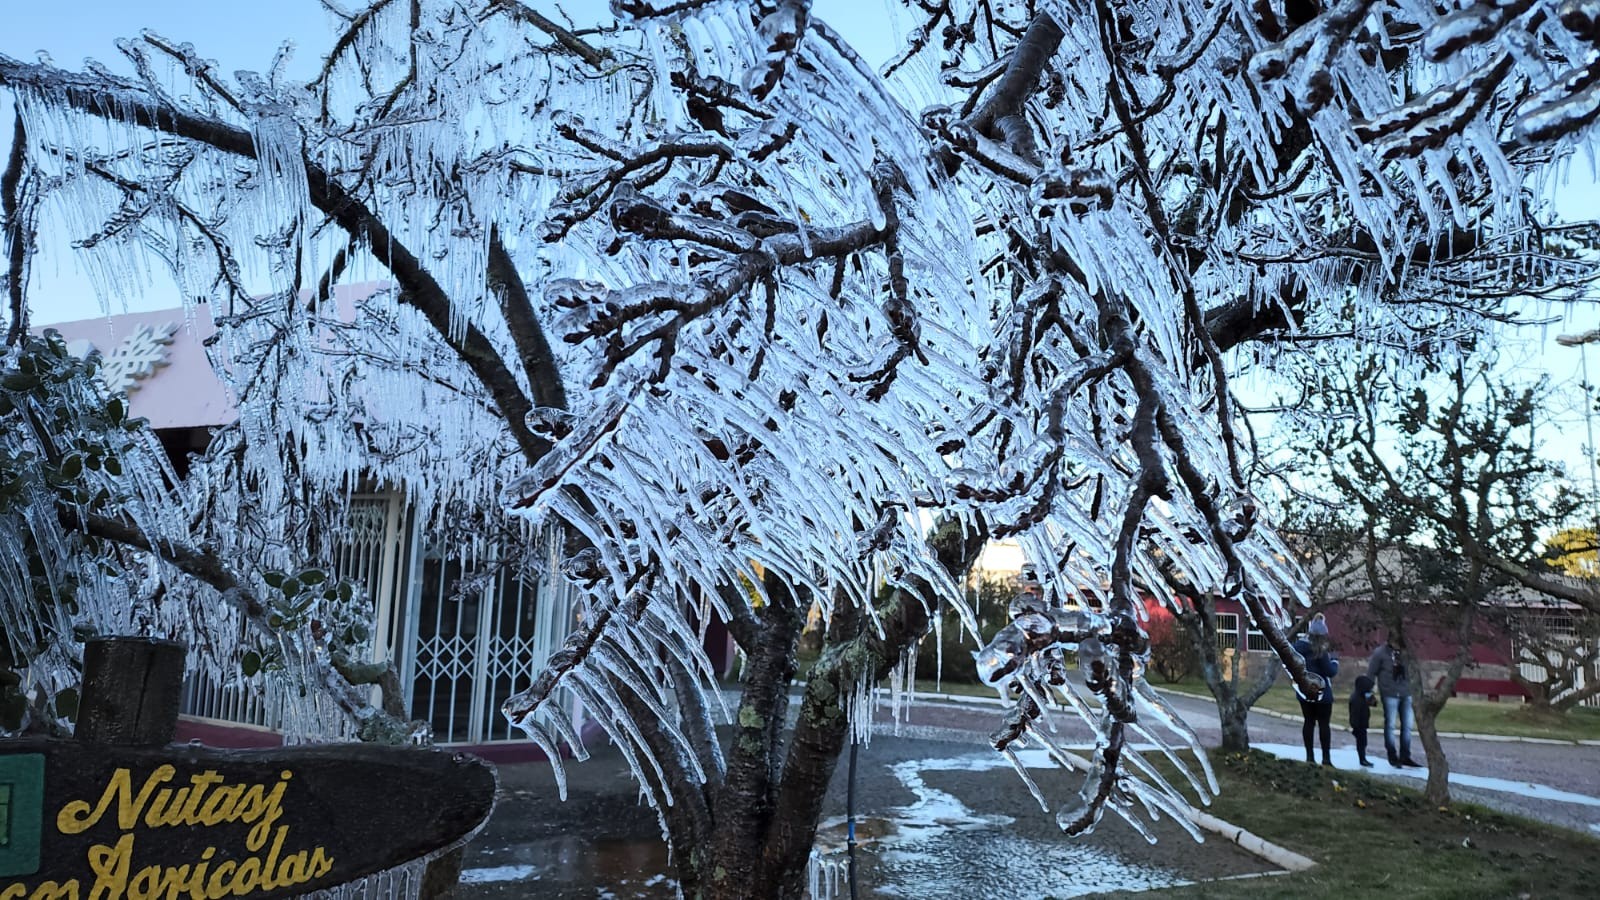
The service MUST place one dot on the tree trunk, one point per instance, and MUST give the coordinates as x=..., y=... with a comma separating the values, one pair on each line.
x=1222, y=676
x=1234, y=717
x=1437, y=790
x=1233, y=713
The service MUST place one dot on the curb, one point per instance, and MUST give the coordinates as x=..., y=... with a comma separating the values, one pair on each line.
x=1462, y=735
x=1282, y=857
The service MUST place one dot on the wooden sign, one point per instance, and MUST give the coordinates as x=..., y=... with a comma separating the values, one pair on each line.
x=81, y=821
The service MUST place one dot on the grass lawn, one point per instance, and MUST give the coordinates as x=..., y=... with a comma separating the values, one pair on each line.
x=1469, y=716
x=1371, y=838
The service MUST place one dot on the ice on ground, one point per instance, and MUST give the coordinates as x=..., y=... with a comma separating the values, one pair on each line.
x=499, y=873
x=928, y=841
x=1346, y=759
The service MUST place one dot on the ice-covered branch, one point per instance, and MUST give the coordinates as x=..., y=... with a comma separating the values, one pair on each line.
x=16, y=234
x=118, y=100
x=757, y=261
x=527, y=332
x=564, y=36
x=1027, y=62
x=371, y=722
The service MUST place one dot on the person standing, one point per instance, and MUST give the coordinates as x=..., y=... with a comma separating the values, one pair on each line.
x=1361, y=702
x=1318, y=711
x=1387, y=668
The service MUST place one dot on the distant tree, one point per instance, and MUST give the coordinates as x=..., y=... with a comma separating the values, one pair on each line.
x=1563, y=644
x=1575, y=552
x=1326, y=551
x=1439, y=485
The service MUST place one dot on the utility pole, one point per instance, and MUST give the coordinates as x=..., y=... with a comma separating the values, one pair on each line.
x=1591, y=451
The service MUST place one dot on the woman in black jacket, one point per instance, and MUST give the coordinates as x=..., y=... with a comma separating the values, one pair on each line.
x=1318, y=711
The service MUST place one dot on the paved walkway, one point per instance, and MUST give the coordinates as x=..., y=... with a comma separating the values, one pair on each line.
x=1557, y=783
x=947, y=818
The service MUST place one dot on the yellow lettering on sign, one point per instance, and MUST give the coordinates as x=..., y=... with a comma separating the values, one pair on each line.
x=78, y=816
x=219, y=884
x=110, y=867
x=205, y=801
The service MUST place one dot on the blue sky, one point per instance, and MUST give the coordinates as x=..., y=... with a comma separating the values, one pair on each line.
x=245, y=34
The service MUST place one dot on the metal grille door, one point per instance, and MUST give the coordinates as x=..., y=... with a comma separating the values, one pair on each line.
x=475, y=640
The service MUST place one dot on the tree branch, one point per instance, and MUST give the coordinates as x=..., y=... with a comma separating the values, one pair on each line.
x=119, y=100
x=538, y=362
x=17, y=235
x=374, y=724
x=574, y=44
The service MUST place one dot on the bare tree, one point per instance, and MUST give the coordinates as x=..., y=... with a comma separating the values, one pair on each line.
x=700, y=288
x=1439, y=484
x=1328, y=555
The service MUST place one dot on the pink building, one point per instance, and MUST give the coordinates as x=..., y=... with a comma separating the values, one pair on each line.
x=459, y=654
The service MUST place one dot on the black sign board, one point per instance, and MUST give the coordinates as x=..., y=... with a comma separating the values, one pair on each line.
x=81, y=820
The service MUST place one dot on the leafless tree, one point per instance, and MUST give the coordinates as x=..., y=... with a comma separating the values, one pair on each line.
x=1439, y=485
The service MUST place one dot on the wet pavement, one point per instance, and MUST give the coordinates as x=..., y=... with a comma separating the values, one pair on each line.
x=941, y=816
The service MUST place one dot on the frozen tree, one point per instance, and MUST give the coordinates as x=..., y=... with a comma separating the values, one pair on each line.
x=755, y=327
x=97, y=539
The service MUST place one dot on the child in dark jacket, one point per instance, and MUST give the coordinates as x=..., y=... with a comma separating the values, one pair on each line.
x=1361, y=702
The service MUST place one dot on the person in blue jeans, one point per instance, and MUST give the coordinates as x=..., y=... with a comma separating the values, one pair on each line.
x=1387, y=667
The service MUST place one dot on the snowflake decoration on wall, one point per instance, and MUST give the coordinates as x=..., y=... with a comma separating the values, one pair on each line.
x=139, y=355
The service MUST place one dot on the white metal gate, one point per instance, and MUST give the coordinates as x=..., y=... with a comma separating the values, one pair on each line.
x=463, y=636
x=477, y=635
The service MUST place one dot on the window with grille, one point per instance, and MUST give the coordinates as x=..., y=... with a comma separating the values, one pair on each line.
x=1256, y=640
x=1228, y=631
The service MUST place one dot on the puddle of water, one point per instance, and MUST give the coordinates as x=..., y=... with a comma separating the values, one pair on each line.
x=492, y=874
x=1016, y=868
x=574, y=865
x=938, y=842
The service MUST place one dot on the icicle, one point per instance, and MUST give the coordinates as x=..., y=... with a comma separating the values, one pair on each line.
x=1022, y=772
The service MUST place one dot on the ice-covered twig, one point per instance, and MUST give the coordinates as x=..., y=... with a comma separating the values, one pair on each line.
x=16, y=233
x=371, y=722
x=564, y=36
